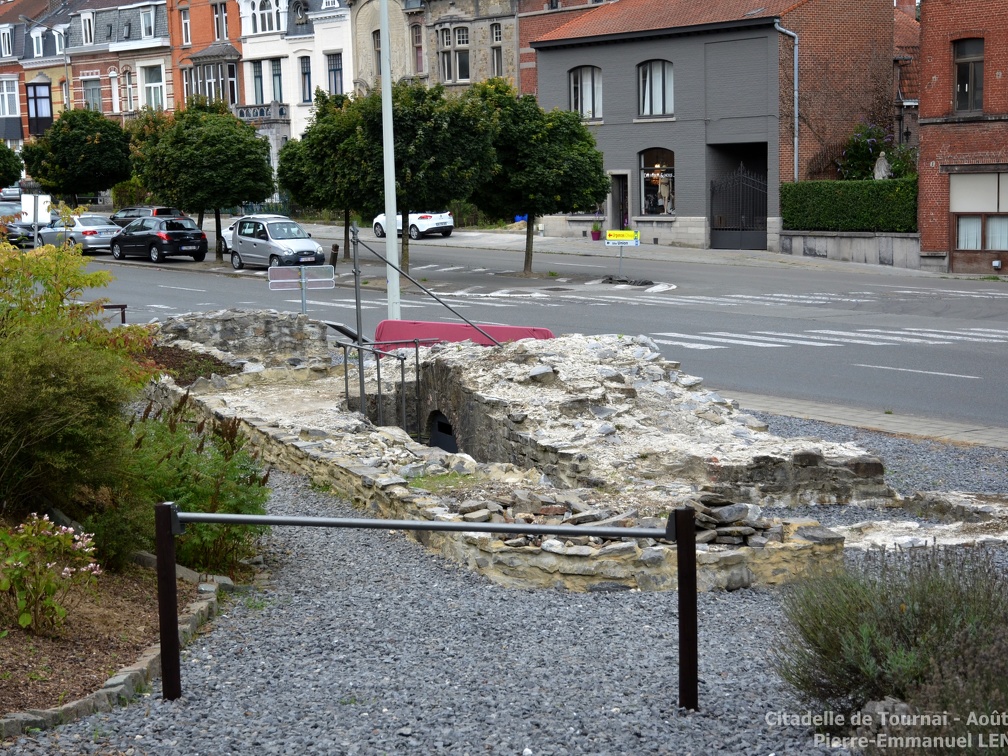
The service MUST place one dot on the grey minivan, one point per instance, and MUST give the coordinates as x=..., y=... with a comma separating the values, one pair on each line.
x=271, y=241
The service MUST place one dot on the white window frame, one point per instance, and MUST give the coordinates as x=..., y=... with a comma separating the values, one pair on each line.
x=655, y=88
x=9, y=106
x=6, y=43
x=114, y=90
x=186, y=26
x=266, y=16
x=87, y=27
x=87, y=85
x=496, y=50
x=153, y=91
x=147, y=23
x=461, y=37
x=60, y=35
x=38, y=42
x=376, y=45
x=584, y=91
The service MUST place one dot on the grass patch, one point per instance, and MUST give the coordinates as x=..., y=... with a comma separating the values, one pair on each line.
x=437, y=484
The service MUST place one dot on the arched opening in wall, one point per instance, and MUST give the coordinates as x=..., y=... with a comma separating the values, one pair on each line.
x=440, y=432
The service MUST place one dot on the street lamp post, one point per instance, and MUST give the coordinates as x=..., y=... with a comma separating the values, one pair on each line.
x=68, y=92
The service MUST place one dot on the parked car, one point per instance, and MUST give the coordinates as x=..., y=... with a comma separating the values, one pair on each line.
x=11, y=192
x=420, y=224
x=127, y=215
x=16, y=228
x=272, y=240
x=158, y=238
x=92, y=232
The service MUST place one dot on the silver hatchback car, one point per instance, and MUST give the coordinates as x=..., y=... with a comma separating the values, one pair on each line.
x=271, y=241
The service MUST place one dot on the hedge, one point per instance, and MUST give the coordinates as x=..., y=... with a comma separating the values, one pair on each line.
x=888, y=205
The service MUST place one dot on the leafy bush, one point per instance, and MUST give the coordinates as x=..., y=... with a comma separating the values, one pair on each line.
x=43, y=569
x=130, y=192
x=201, y=467
x=864, y=147
x=860, y=634
x=885, y=206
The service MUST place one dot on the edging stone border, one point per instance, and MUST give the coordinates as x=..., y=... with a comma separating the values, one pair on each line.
x=126, y=684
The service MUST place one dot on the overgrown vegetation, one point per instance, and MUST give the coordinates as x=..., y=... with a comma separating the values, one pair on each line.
x=896, y=625
x=862, y=150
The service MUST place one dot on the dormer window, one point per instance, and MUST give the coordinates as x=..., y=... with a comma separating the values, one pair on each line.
x=147, y=22
x=266, y=16
x=87, y=27
x=6, y=48
x=60, y=41
x=37, y=42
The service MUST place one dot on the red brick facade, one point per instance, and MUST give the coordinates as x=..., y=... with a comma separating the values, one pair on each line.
x=535, y=19
x=835, y=92
x=970, y=145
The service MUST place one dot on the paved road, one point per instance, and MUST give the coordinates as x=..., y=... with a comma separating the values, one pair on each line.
x=446, y=266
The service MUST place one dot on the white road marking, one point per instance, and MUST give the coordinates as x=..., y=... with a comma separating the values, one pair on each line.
x=954, y=335
x=688, y=344
x=923, y=372
x=830, y=339
x=883, y=336
x=180, y=288
x=721, y=340
x=784, y=340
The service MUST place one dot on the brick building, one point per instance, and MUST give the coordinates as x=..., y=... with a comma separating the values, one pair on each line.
x=536, y=18
x=963, y=202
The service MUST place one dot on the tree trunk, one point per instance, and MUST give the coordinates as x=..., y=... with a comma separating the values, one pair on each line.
x=529, y=235
x=404, y=260
x=219, y=252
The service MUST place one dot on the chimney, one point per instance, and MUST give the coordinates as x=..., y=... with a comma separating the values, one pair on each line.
x=908, y=6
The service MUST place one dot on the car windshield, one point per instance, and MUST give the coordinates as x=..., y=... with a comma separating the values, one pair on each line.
x=287, y=230
x=94, y=220
x=182, y=224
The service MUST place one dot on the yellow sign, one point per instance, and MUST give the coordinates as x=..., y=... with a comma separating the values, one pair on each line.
x=614, y=235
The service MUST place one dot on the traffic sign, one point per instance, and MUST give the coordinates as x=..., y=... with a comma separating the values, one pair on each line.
x=622, y=238
x=313, y=277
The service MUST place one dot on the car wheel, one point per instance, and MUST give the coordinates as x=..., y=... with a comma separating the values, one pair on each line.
x=199, y=256
x=274, y=261
x=117, y=252
x=414, y=232
x=236, y=261
x=379, y=231
x=156, y=255
x=70, y=242
x=446, y=232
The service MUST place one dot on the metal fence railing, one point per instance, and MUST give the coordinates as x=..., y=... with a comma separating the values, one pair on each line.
x=679, y=528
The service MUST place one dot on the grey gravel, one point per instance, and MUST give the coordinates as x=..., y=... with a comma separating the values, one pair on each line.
x=365, y=643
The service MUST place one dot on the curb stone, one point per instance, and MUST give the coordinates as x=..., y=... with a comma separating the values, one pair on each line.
x=130, y=681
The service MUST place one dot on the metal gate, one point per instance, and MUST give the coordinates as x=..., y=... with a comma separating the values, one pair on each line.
x=739, y=211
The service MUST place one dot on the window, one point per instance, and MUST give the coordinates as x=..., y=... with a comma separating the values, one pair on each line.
x=306, y=90
x=114, y=91
x=92, y=94
x=969, y=75
x=496, y=51
x=210, y=81
x=37, y=43
x=128, y=91
x=220, y=21
x=585, y=85
x=60, y=38
x=654, y=88
x=376, y=44
x=232, y=73
x=462, y=53
x=416, y=37
x=9, y=97
x=257, y=82
x=147, y=23
x=265, y=16
x=6, y=49
x=657, y=177
x=979, y=202
x=40, y=113
x=454, y=54
x=334, y=62
x=153, y=82
x=252, y=15
x=87, y=27
x=186, y=32
x=277, y=80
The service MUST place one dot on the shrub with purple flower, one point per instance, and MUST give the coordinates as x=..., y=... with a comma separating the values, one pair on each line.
x=44, y=568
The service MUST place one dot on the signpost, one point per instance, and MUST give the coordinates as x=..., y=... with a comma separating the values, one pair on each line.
x=614, y=238
x=302, y=277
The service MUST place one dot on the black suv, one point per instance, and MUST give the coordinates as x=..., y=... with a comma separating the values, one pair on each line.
x=129, y=214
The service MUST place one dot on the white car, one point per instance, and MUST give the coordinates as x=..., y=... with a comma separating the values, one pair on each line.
x=227, y=232
x=420, y=224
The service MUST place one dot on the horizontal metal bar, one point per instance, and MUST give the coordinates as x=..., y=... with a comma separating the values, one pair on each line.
x=466, y=527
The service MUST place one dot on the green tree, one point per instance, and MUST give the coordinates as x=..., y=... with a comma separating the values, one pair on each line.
x=865, y=145
x=206, y=158
x=81, y=153
x=546, y=162
x=10, y=166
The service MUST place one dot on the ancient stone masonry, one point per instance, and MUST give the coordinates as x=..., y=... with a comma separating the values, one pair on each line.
x=576, y=430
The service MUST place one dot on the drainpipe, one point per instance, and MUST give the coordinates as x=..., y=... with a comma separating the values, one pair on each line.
x=793, y=36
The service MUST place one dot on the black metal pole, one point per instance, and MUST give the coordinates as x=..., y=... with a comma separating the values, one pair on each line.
x=687, y=578
x=171, y=666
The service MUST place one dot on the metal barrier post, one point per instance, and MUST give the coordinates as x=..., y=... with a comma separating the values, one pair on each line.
x=164, y=539
x=685, y=537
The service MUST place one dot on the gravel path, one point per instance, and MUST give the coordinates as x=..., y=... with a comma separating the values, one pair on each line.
x=365, y=643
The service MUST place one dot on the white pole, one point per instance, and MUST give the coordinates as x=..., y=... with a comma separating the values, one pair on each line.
x=388, y=150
